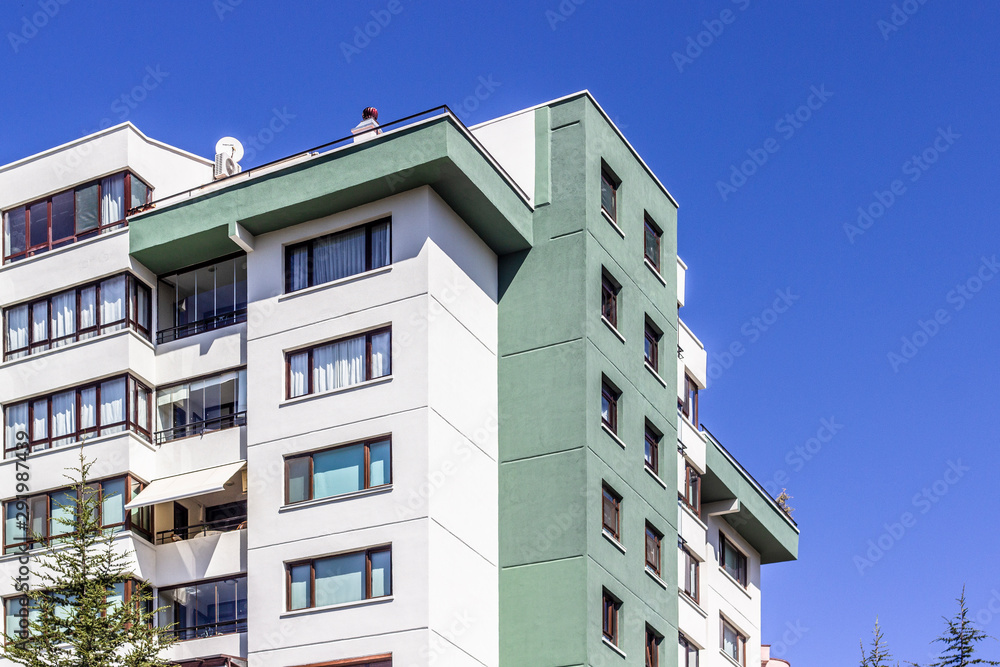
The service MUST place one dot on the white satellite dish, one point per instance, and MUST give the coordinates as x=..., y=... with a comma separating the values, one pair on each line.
x=231, y=147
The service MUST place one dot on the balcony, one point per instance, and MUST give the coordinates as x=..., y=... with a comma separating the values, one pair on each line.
x=210, y=324
x=217, y=527
x=201, y=427
x=204, y=298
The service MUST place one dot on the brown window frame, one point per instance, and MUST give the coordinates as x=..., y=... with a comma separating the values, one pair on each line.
x=654, y=543
x=310, y=243
x=652, y=644
x=741, y=640
x=689, y=648
x=690, y=560
x=612, y=395
x=610, y=288
x=128, y=524
x=130, y=421
x=608, y=176
x=236, y=315
x=742, y=567
x=689, y=404
x=611, y=501
x=610, y=610
x=692, y=489
x=238, y=624
x=191, y=429
x=651, y=453
x=310, y=389
x=130, y=320
x=103, y=226
x=368, y=442
x=651, y=345
x=311, y=562
x=650, y=227
x=383, y=660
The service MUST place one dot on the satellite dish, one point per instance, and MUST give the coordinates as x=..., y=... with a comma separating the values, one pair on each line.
x=231, y=147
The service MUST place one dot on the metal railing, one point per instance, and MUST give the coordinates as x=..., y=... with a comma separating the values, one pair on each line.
x=181, y=533
x=207, y=324
x=199, y=427
x=210, y=629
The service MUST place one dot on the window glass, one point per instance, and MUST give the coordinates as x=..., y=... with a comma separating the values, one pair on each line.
x=608, y=194
x=38, y=217
x=298, y=381
x=205, y=289
x=340, y=579
x=140, y=192
x=40, y=419
x=113, y=502
x=62, y=507
x=113, y=406
x=15, y=234
x=300, y=591
x=381, y=354
x=16, y=421
x=298, y=479
x=381, y=250
x=338, y=471
x=225, y=278
x=112, y=199
x=13, y=534
x=86, y=208
x=63, y=224
x=381, y=573
x=380, y=463
x=17, y=329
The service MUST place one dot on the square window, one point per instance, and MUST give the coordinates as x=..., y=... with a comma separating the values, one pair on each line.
x=611, y=512
x=688, y=653
x=732, y=560
x=733, y=642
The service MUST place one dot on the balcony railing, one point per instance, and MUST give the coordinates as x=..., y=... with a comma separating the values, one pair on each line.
x=210, y=630
x=216, y=527
x=208, y=324
x=200, y=427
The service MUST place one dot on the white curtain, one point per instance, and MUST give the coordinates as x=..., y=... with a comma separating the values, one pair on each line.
x=17, y=330
x=381, y=354
x=381, y=245
x=298, y=261
x=63, y=416
x=339, y=365
x=299, y=366
x=112, y=199
x=142, y=408
x=113, y=304
x=39, y=322
x=88, y=408
x=113, y=404
x=346, y=255
x=40, y=420
x=16, y=419
x=142, y=306
x=64, y=316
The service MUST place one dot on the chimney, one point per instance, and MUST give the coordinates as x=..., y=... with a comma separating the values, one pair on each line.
x=366, y=129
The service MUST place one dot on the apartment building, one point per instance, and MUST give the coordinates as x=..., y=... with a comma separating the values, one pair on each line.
x=403, y=399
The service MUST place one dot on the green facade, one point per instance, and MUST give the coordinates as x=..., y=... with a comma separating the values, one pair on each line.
x=554, y=454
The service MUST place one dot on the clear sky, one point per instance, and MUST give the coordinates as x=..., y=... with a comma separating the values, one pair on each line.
x=898, y=118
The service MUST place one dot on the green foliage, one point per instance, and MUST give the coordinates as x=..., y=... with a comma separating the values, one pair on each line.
x=878, y=655
x=73, y=621
x=960, y=640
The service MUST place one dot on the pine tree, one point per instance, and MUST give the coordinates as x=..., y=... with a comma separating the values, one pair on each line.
x=960, y=640
x=878, y=655
x=73, y=620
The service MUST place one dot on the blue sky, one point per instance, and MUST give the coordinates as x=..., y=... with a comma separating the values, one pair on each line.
x=190, y=72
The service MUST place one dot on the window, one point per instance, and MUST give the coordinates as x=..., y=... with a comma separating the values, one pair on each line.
x=105, y=407
x=732, y=560
x=688, y=653
x=609, y=299
x=120, y=593
x=652, y=236
x=363, y=575
x=733, y=642
x=611, y=607
x=689, y=579
x=335, y=256
x=652, y=648
x=609, y=192
x=371, y=661
x=43, y=514
x=210, y=403
x=652, y=454
x=71, y=215
x=689, y=404
x=205, y=609
x=77, y=314
x=651, y=345
x=203, y=298
x=342, y=363
x=609, y=406
x=338, y=470
x=611, y=512
x=653, y=539
x=692, y=489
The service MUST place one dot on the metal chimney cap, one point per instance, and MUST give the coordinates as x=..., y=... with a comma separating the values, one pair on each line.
x=369, y=113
